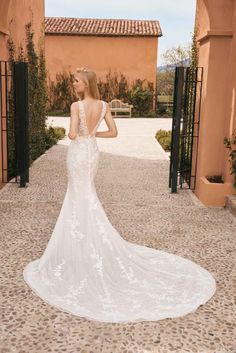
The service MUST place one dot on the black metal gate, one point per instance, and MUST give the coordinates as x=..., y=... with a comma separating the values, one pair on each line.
x=14, y=122
x=185, y=127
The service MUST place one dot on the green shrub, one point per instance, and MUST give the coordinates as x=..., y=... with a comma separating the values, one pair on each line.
x=37, y=94
x=60, y=113
x=58, y=132
x=164, y=138
x=141, y=97
x=53, y=134
x=61, y=92
x=230, y=143
x=150, y=115
x=162, y=109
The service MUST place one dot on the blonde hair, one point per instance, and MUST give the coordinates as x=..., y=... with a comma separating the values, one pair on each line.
x=90, y=79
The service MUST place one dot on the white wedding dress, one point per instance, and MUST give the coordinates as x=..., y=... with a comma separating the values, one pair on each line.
x=89, y=270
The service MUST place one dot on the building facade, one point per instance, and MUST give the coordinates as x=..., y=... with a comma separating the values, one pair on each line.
x=216, y=27
x=126, y=46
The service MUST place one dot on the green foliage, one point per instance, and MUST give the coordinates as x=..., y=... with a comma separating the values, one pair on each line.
x=151, y=114
x=114, y=87
x=165, y=106
x=53, y=134
x=10, y=116
x=164, y=138
x=61, y=93
x=39, y=139
x=58, y=113
x=176, y=56
x=162, y=109
x=141, y=98
x=215, y=179
x=118, y=88
x=194, y=50
x=230, y=143
x=165, y=83
x=37, y=96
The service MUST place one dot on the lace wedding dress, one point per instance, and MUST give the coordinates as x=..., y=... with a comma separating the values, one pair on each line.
x=89, y=270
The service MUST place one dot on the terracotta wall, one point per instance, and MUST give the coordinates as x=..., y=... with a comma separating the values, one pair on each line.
x=135, y=57
x=216, y=22
x=14, y=14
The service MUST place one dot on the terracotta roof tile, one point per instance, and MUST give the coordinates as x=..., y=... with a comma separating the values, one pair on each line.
x=102, y=27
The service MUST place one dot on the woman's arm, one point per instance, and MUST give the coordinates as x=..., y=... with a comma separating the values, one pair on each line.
x=74, y=121
x=112, y=132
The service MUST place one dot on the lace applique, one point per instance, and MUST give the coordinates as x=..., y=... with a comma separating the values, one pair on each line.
x=58, y=268
x=76, y=224
x=98, y=261
x=76, y=233
x=103, y=232
x=74, y=291
x=126, y=272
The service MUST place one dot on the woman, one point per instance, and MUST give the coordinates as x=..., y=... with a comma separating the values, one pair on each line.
x=87, y=268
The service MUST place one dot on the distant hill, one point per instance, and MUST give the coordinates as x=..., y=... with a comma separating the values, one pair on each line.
x=163, y=68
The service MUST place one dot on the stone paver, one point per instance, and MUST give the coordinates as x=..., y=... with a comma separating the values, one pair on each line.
x=135, y=195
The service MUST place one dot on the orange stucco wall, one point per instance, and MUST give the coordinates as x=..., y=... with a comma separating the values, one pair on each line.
x=135, y=57
x=216, y=23
x=14, y=15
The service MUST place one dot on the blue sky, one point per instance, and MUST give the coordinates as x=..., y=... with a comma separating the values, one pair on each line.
x=176, y=16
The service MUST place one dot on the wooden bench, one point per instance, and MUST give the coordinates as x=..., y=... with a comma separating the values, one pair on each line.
x=117, y=106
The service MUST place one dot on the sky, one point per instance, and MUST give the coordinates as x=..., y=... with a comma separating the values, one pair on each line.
x=176, y=17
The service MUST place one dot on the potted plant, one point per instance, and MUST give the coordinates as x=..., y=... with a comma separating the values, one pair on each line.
x=213, y=189
x=231, y=145
x=215, y=179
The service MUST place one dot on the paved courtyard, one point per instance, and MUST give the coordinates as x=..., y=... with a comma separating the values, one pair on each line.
x=136, y=137
x=132, y=184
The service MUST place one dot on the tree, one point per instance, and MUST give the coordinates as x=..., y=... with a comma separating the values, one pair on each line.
x=165, y=83
x=177, y=56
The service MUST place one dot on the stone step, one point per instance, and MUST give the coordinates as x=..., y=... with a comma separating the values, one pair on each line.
x=231, y=204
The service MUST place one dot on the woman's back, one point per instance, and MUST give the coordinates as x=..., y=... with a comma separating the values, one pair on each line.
x=91, y=114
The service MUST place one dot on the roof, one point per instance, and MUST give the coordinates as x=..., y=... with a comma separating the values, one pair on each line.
x=102, y=27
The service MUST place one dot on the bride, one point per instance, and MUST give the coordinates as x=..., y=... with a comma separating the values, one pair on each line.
x=87, y=268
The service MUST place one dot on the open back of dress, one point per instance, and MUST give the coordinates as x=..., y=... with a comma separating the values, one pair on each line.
x=83, y=128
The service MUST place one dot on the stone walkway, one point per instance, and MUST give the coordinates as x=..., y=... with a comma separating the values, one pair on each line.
x=135, y=195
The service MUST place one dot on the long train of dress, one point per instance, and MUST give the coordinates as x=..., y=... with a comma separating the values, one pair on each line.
x=89, y=270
